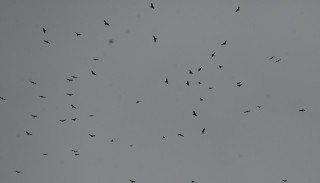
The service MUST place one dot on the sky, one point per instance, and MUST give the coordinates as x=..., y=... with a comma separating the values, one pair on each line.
x=254, y=132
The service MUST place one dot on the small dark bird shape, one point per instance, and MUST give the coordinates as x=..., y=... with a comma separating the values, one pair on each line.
x=74, y=107
x=200, y=69
x=163, y=137
x=45, y=154
x=93, y=73
x=131, y=145
x=28, y=133
x=155, y=39
x=271, y=58
x=78, y=34
x=2, y=98
x=302, y=110
x=41, y=96
x=192, y=181
x=91, y=115
x=224, y=43
x=44, y=30
x=199, y=83
x=246, y=111
x=220, y=66
x=95, y=59
x=152, y=6
x=62, y=120
x=18, y=171
x=187, y=83
x=69, y=94
x=69, y=79
x=76, y=154
x=259, y=106
x=111, y=140
x=74, y=119
x=46, y=41
x=74, y=151
x=74, y=77
x=32, y=82
x=201, y=99
x=194, y=113
x=238, y=9
x=278, y=60
x=91, y=135
x=180, y=135
x=212, y=55
x=190, y=72
x=166, y=81
x=132, y=181
x=203, y=130
x=110, y=41
x=210, y=88
x=106, y=23
x=34, y=116
x=284, y=180
x=138, y=101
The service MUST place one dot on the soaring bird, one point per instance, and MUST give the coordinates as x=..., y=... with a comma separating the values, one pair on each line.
x=45, y=154
x=69, y=79
x=278, y=60
x=34, y=116
x=238, y=9
x=166, y=81
x=194, y=113
x=74, y=76
x=74, y=107
x=91, y=115
x=201, y=99
x=180, y=135
x=17, y=171
x=203, y=130
x=200, y=69
x=138, y=101
x=41, y=96
x=76, y=154
x=78, y=34
x=224, y=43
x=163, y=137
x=220, y=66
x=212, y=55
x=69, y=94
x=74, y=119
x=246, y=111
x=93, y=73
x=91, y=135
x=44, y=30
x=74, y=151
x=62, y=120
x=155, y=39
x=302, y=110
x=106, y=23
x=110, y=41
x=2, y=98
x=152, y=6
x=271, y=58
x=132, y=181
x=46, y=41
x=28, y=133
x=210, y=88
x=187, y=83
x=284, y=180
x=32, y=82
x=259, y=106
x=111, y=140
x=95, y=59
x=199, y=83
x=190, y=72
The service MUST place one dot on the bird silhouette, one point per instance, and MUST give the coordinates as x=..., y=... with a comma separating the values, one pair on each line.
x=259, y=106
x=190, y=72
x=224, y=43
x=163, y=137
x=271, y=58
x=284, y=180
x=74, y=77
x=199, y=83
x=302, y=110
x=74, y=151
x=69, y=79
x=278, y=60
x=45, y=154
x=194, y=113
x=76, y=154
x=167, y=81
x=131, y=145
x=41, y=96
x=93, y=73
x=62, y=120
x=32, y=82
x=212, y=55
x=17, y=171
x=91, y=135
x=132, y=181
x=187, y=83
x=246, y=111
x=152, y=6
x=138, y=101
x=238, y=9
x=28, y=133
x=44, y=30
x=95, y=59
x=201, y=99
x=69, y=94
x=74, y=119
x=110, y=41
x=106, y=23
x=220, y=66
x=180, y=135
x=2, y=98
x=210, y=88
x=34, y=116
x=155, y=39
x=91, y=115
x=203, y=130
x=111, y=140
x=74, y=107
x=46, y=41
x=199, y=68
x=78, y=34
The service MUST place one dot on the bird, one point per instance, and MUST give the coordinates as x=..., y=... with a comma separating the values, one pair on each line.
x=138, y=101
x=69, y=94
x=224, y=43
x=28, y=133
x=152, y=6
x=32, y=82
x=212, y=55
x=74, y=76
x=93, y=73
x=78, y=34
x=259, y=106
x=284, y=180
x=111, y=140
x=34, y=116
x=132, y=181
x=302, y=110
x=187, y=83
x=163, y=137
x=110, y=41
x=192, y=181
x=62, y=120
x=41, y=96
x=203, y=130
x=201, y=99
x=91, y=115
x=166, y=81
x=154, y=39
x=199, y=68
x=74, y=119
x=246, y=111
x=74, y=107
x=46, y=41
x=74, y=151
x=180, y=135
x=199, y=83
x=271, y=58
x=278, y=60
x=220, y=66
x=106, y=23
x=91, y=135
x=69, y=79
x=131, y=145
x=190, y=72
x=44, y=30
x=45, y=154
x=95, y=59
x=210, y=88
x=194, y=113
x=76, y=154
x=17, y=171
x=238, y=9
x=2, y=98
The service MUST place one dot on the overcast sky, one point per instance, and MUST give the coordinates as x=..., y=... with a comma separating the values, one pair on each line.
x=264, y=145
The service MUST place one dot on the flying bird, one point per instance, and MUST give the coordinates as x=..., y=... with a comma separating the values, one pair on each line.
x=203, y=130
x=2, y=98
x=69, y=94
x=78, y=34
x=46, y=41
x=138, y=101
x=74, y=119
x=199, y=83
x=106, y=23
x=220, y=66
x=210, y=88
x=69, y=79
x=224, y=43
x=32, y=82
x=74, y=77
x=110, y=41
x=132, y=181
x=163, y=137
x=190, y=72
x=34, y=116
x=278, y=60
x=74, y=107
x=200, y=69
x=201, y=99
x=187, y=83
x=212, y=55
x=28, y=133
x=91, y=115
x=74, y=151
x=238, y=9
x=76, y=154
x=246, y=111
x=45, y=154
x=194, y=113
x=62, y=120
x=259, y=106
x=284, y=180
x=271, y=58
x=152, y=6
x=180, y=135
x=41, y=96
x=18, y=171
x=91, y=135
x=154, y=39
x=95, y=59
x=93, y=73
x=302, y=110
x=166, y=81
x=44, y=30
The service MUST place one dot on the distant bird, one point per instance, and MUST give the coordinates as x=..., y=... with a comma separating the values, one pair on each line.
x=224, y=43
x=180, y=135
x=44, y=30
x=155, y=39
x=34, y=116
x=131, y=145
x=46, y=41
x=2, y=98
x=45, y=154
x=111, y=140
x=74, y=107
x=238, y=9
x=302, y=110
x=187, y=83
x=210, y=88
x=76, y=154
x=192, y=181
x=163, y=137
x=271, y=58
x=32, y=82
x=106, y=23
x=259, y=106
x=212, y=55
x=199, y=83
x=74, y=77
x=91, y=135
x=194, y=113
x=246, y=111
x=78, y=34
x=152, y=6
x=138, y=101
x=41, y=96
x=95, y=59
x=93, y=73
x=203, y=130
x=74, y=151
x=284, y=180
x=110, y=41
x=132, y=181
x=190, y=72
x=28, y=133
x=220, y=66
x=69, y=79
x=74, y=119
x=17, y=171
x=69, y=94
x=201, y=99
x=62, y=120
x=278, y=60
x=199, y=68
x=91, y=115
x=166, y=81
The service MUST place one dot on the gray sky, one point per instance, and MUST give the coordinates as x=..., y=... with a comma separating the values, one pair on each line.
x=265, y=145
